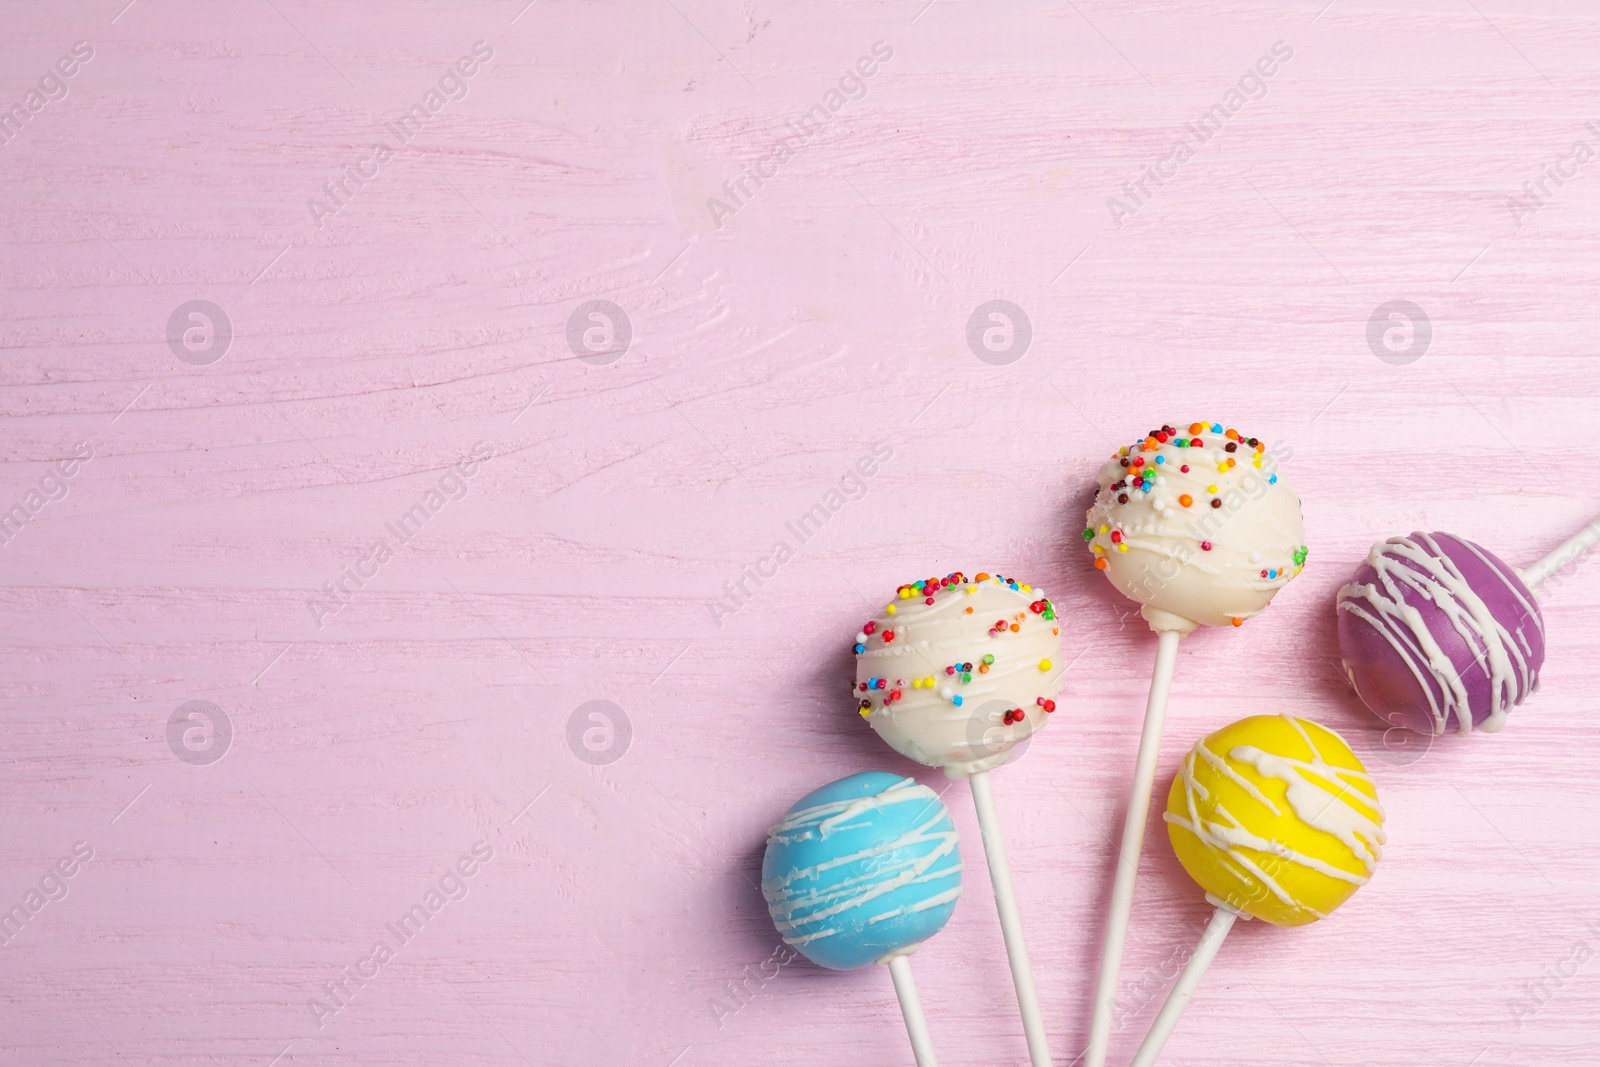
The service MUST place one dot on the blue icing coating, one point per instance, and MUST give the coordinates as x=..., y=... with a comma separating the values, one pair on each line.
x=861, y=868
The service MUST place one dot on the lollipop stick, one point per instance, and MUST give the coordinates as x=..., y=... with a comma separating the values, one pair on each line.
x=905, y=987
x=1005, y=899
x=1569, y=551
x=1144, y=776
x=1217, y=929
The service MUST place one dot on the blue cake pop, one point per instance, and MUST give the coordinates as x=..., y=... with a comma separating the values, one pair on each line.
x=862, y=869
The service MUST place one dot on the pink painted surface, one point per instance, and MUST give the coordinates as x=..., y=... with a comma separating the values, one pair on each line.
x=378, y=737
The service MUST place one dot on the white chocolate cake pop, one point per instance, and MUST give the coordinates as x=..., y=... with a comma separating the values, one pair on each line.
x=1197, y=525
x=956, y=672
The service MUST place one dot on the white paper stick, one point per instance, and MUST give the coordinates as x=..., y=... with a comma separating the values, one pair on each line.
x=905, y=987
x=1211, y=940
x=1005, y=899
x=1144, y=776
x=1569, y=550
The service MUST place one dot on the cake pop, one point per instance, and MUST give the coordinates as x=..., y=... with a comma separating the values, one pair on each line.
x=1199, y=527
x=1277, y=820
x=864, y=870
x=955, y=673
x=1438, y=634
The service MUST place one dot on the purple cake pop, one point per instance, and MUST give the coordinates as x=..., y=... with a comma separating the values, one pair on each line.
x=1439, y=634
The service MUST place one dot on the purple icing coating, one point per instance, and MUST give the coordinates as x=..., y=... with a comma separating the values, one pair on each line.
x=1495, y=666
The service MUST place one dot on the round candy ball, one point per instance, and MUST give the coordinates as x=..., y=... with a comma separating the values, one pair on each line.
x=862, y=869
x=1196, y=523
x=1439, y=634
x=957, y=671
x=1275, y=817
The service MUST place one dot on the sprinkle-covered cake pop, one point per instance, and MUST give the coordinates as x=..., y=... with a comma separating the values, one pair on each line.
x=864, y=868
x=1197, y=525
x=956, y=672
x=1277, y=818
x=1439, y=634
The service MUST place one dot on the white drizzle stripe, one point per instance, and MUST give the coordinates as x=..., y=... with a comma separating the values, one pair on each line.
x=922, y=905
x=797, y=909
x=803, y=819
x=1412, y=656
x=794, y=909
x=1241, y=866
x=793, y=912
x=1238, y=779
x=1507, y=577
x=1333, y=815
x=1316, y=791
x=1420, y=567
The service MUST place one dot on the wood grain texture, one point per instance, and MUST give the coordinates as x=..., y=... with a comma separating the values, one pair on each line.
x=618, y=921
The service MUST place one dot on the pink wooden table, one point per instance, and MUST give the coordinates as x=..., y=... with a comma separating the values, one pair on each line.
x=311, y=418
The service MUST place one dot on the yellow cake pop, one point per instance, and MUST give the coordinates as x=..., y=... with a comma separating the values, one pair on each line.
x=1277, y=820
x=1276, y=817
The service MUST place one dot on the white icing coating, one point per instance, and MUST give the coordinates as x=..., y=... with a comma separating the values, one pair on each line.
x=1195, y=562
x=893, y=866
x=1417, y=567
x=1321, y=796
x=925, y=722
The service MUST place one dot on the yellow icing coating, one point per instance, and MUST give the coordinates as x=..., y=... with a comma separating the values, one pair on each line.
x=1277, y=817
